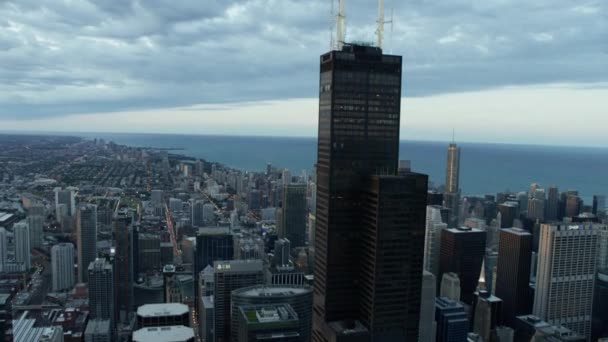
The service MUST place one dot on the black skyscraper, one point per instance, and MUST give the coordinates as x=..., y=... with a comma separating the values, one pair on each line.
x=462, y=252
x=513, y=273
x=359, y=112
x=124, y=234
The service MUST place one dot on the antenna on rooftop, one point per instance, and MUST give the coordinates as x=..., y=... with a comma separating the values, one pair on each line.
x=381, y=22
x=331, y=25
x=340, y=25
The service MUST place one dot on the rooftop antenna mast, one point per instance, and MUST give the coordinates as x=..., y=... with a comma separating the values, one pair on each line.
x=381, y=22
x=332, y=42
x=340, y=25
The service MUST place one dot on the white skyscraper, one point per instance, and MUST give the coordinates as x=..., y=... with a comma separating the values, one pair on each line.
x=22, y=244
x=566, y=274
x=3, y=248
x=86, y=235
x=35, y=222
x=62, y=266
x=286, y=177
x=432, y=240
x=427, y=308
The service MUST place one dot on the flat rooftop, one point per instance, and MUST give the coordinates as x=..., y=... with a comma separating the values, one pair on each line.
x=162, y=309
x=272, y=291
x=173, y=333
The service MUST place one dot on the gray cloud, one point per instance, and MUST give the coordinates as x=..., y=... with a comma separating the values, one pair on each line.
x=62, y=57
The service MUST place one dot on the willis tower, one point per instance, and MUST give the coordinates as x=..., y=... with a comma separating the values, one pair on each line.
x=370, y=217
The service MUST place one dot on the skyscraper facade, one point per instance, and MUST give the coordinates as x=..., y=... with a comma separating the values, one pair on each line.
x=358, y=136
x=22, y=244
x=62, y=266
x=432, y=241
x=35, y=222
x=452, y=321
x=101, y=289
x=452, y=169
x=229, y=276
x=3, y=248
x=427, y=307
x=86, y=235
x=123, y=263
x=513, y=273
x=566, y=275
x=294, y=213
x=552, y=207
x=462, y=252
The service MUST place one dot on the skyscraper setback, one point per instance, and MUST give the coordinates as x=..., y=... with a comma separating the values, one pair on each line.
x=359, y=114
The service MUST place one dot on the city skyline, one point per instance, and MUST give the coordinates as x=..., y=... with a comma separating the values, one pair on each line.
x=457, y=74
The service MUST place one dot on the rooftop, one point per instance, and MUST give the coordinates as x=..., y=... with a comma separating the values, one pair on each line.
x=238, y=266
x=162, y=309
x=268, y=313
x=174, y=333
x=272, y=291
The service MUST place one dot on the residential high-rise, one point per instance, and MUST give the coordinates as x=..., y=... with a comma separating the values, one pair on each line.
x=552, y=207
x=392, y=252
x=35, y=222
x=358, y=136
x=513, y=273
x=3, y=248
x=101, y=290
x=432, y=241
x=452, y=321
x=22, y=244
x=65, y=197
x=462, y=252
x=62, y=266
x=298, y=297
x=86, y=235
x=124, y=233
x=229, y=276
x=294, y=214
x=427, y=308
x=566, y=275
x=452, y=169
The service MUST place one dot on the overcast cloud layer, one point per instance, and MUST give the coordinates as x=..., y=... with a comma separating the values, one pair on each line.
x=85, y=56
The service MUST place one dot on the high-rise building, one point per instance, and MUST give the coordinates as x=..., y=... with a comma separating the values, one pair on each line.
x=35, y=222
x=86, y=235
x=298, y=297
x=22, y=244
x=282, y=248
x=62, y=266
x=552, y=207
x=487, y=315
x=599, y=204
x=65, y=197
x=432, y=241
x=149, y=252
x=452, y=169
x=3, y=248
x=427, y=308
x=294, y=211
x=600, y=309
x=198, y=219
x=392, y=251
x=162, y=315
x=156, y=197
x=359, y=111
x=462, y=252
x=98, y=330
x=174, y=333
x=566, y=275
x=263, y=322
x=513, y=273
x=450, y=286
x=452, y=321
x=536, y=209
x=124, y=235
x=509, y=211
x=229, y=276
x=573, y=205
x=101, y=290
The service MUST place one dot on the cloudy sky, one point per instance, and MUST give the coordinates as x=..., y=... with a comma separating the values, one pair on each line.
x=527, y=71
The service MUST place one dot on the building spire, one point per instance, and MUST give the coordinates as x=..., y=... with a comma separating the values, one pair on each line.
x=340, y=25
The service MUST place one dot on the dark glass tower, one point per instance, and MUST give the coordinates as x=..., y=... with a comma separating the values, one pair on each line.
x=359, y=112
x=124, y=233
x=462, y=252
x=293, y=227
x=513, y=273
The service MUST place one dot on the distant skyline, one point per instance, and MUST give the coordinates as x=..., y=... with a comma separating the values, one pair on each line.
x=495, y=71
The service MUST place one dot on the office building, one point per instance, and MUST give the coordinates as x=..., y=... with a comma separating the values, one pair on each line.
x=198, y=219
x=149, y=252
x=393, y=217
x=86, y=235
x=212, y=244
x=487, y=315
x=427, y=308
x=3, y=249
x=536, y=209
x=22, y=244
x=101, y=290
x=163, y=314
x=509, y=211
x=600, y=310
x=62, y=266
x=450, y=286
x=432, y=240
x=359, y=109
x=298, y=297
x=36, y=222
x=451, y=320
x=599, y=205
x=294, y=212
x=65, y=197
x=462, y=252
x=175, y=333
x=175, y=205
x=98, y=330
x=229, y=276
x=282, y=248
x=513, y=273
x=573, y=204
x=156, y=196
x=552, y=207
x=125, y=235
x=277, y=322
x=566, y=275
x=206, y=317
